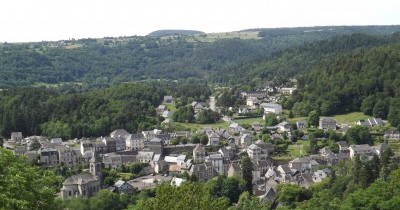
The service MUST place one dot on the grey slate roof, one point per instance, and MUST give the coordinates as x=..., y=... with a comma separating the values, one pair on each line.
x=79, y=178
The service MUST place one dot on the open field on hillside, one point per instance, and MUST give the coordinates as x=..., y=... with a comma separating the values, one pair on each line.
x=350, y=118
x=196, y=126
x=249, y=121
x=211, y=37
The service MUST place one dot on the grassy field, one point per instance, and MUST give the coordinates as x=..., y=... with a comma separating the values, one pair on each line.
x=125, y=176
x=350, y=118
x=195, y=126
x=171, y=107
x=298, y=149
x=249, y=121
x=212, y=37
x=47, y=85
x=395, y=146
x=293, y=120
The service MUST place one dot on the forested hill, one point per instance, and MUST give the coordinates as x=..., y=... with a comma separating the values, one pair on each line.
x=101, y=62
x=40, y=111
x=299, y=59
x=48, y=112
x=365, y=80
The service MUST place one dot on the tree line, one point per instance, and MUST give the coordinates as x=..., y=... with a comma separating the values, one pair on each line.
x=40, y=111
x=363, y=80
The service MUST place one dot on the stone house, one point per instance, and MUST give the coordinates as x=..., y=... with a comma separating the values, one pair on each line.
x=267, y=149
x=287, y=91
x=284, y=127
x=234, y=169
x=252, y=102
x=199, y=154
x=361, y=150
x=155, y=145
x=217, y=162
x=168, y=99
x=48, y=157
x=123, y=187
x=119, y=133
x=69, y=157
x=16, y=137
x=271, y=108
x=254, y=152
x=392, y=134
x=110, y=143
x=327, y=123
x=213, y=139
x=246, y=139
x=145, y=156
x=134, y=141
x=227, y=153
x=203, y=171
x=285, y=173
x=301, y=124
x=303, y=164
x=20, y=150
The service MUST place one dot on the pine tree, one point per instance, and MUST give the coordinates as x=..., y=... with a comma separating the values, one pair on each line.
x=247, y=172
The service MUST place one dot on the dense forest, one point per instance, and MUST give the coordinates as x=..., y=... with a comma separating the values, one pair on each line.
x=101, y=62
x=363, y=80
x=50, y=112
x=38, y=111
x=296, y=60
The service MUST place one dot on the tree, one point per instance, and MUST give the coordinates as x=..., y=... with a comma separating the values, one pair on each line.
x=247, y=172
x=207, y=116
x=368, y=104
x=247, y=202
x=195, y=139
x=380, y=109
x=232, y=188
x=291, y=115
x=184, y=114
x=187, y=196
x=55, y=129
x=289, y=194
x=23, y=186
x=386, y=161
x=105, y=200
x=76, y=204
x=394, y=112
x=313, y=143
x=358, y=135
x=313, y=118
x=271, y=119
x=204, y=139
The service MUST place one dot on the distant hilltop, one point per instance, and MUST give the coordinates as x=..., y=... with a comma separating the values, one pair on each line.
x=175, y=32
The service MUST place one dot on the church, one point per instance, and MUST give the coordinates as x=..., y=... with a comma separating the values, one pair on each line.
x=85, y=184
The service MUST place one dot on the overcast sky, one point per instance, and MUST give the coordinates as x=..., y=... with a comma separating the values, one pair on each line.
x=37, y=20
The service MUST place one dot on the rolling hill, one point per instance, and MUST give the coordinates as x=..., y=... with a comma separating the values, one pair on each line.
x=212, y=57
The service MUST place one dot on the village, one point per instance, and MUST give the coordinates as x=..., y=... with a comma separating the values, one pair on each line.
x=199, y=155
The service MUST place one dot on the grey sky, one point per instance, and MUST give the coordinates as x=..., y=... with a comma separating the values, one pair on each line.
x=37, y=20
